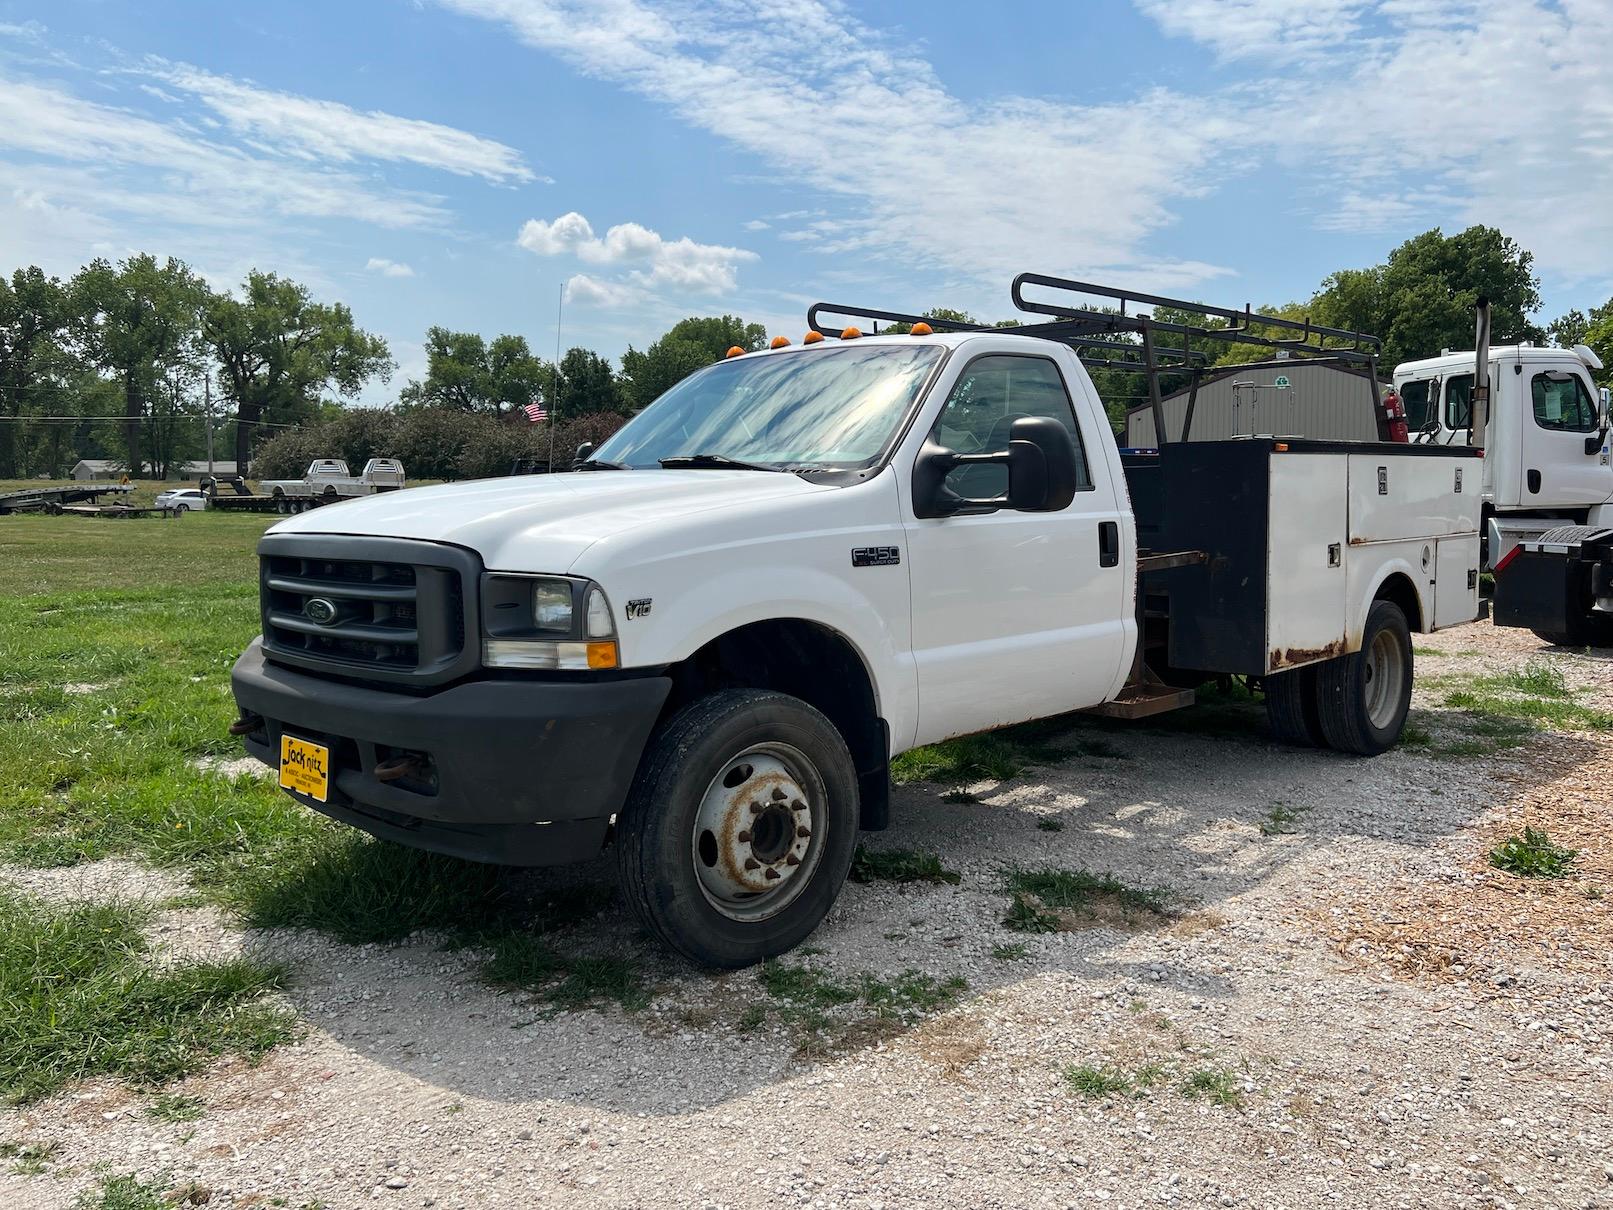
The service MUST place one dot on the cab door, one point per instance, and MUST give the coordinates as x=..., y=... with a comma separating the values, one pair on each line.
x=1560, y=414
x=1016, y=615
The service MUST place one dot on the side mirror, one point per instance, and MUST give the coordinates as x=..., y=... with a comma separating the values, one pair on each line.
x=583, y=451
x=1042, y=472
x=1593, y=443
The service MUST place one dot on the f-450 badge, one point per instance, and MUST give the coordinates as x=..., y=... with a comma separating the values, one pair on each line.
x=876, y=556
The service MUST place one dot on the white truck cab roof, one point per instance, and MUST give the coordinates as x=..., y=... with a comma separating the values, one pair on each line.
x=1459, y=362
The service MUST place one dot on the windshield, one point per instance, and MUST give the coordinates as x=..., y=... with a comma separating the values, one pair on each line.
x=813, y=409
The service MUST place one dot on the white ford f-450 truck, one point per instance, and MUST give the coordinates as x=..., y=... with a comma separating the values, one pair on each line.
x=705, y=646
x=328, y=479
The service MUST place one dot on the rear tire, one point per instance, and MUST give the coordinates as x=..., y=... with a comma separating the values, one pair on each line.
x=1292, y=709
x=1363, y=698
x=710, y=846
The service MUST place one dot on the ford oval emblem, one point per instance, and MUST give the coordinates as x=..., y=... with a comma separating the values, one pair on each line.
x=318, y=609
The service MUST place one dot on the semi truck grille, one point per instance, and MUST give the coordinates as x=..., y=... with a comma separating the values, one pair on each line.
x=372, y=608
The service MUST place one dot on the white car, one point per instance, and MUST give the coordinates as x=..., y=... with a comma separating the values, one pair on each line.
x=183, y=499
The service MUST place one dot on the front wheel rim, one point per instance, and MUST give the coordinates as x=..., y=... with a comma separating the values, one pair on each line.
x=1385, y=678
x=759, y=832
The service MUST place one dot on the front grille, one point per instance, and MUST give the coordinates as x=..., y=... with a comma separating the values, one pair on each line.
x=366, y=607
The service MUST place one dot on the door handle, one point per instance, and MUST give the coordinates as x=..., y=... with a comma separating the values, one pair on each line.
x=1108, y=543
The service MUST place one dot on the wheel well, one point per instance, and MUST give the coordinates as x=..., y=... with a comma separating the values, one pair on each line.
x=808, y=661
x=1399, y=590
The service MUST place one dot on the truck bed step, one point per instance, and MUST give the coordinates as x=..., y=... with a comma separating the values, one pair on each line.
x=1141, y=701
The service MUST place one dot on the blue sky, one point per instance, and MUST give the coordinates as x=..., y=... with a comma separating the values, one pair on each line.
x=463, y=161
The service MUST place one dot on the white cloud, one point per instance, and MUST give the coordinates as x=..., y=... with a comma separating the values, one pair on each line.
x=1268, y=30
x=27, y=31
x=319, y=130
x=388, y=268
x=680, y=265
x=983, y=188
x=590, y=291
x=1446, y=112
x=757, y=224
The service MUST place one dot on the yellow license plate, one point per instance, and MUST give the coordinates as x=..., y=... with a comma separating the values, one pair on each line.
x=304, y=767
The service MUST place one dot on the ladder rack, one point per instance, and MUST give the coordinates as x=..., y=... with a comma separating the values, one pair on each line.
x=1091, y=328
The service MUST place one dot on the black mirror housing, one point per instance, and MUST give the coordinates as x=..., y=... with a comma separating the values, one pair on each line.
x=1041, y=462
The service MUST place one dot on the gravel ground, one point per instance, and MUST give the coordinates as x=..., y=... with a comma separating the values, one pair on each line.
x=1387, y=1021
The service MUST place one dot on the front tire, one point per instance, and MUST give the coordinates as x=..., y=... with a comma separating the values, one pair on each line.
x=739, y=829
x=1363, y=698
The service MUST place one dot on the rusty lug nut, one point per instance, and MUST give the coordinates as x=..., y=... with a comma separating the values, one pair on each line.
x=779, y=795
x=803, y=832
x=743, y=838
x=798, y=805
x=771, y=872
x=756, y=808
x=792, y=859
x=752, y=864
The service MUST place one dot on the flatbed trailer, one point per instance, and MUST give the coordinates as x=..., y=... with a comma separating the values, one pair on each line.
x=112, y=510
x=57, y=497
x=245, y=500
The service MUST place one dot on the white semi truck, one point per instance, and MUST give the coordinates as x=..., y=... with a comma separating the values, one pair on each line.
x=704, y=647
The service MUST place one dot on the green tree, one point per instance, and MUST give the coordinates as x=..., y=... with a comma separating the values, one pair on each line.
x=587, y=384
x=33, y=326
x=1421, y=300
x=278, y=350
x=137, y=321
x=1594, y=330
x=687, y=346
x=466, y=373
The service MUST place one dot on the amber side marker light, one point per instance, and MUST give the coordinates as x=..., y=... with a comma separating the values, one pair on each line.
x=602, y=654
x=851, y=334
x=780, y=342
x=736, y=351
x=1281, y=447
x=922, y=329
x=812, y=338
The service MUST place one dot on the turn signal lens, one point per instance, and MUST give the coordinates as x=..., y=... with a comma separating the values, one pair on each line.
x=851, y=334
x=780, y=342
x=922, y=329
x=812, y=338
x=736, y=351
x=602, y=655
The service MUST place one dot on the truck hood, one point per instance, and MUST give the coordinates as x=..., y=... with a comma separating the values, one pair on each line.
x=543, y=523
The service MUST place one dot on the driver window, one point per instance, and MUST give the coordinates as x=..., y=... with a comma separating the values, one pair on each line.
x=993, y=392
x=1414, y=395
x=1562, y=402
x=1458, y=401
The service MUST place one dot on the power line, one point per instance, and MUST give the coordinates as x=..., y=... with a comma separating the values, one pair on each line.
x=267, y=424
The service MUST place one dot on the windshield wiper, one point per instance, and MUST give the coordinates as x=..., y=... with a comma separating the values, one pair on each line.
x=601, y=464
x=712, y=461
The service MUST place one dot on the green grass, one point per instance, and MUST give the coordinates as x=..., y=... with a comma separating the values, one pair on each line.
x=1097, y=1082
x=176, y=1107
x=1010, y=951
x=526, y=961
x=823, y=1009
x=28, y=1159
x=126, y=1192
x=1280, y=820
x=1050, y=823
x=1533, y=855
x=1004, y=754
x=899, y=865
x=1214, y=1084
x=80, y=997
x=1080, y=893
x=1025, y=917
x=1537, y=678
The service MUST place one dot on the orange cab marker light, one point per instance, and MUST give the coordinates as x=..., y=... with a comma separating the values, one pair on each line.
x=602, y=655
x=851, y=333
x=1281, y=447
x=922, y=329
x=780, y=342
x=736, y=351
x=812, y=338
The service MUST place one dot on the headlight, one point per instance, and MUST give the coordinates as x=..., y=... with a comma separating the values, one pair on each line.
x=546, y=622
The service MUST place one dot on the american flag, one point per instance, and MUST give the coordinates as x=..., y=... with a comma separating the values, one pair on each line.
x=535, y=412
